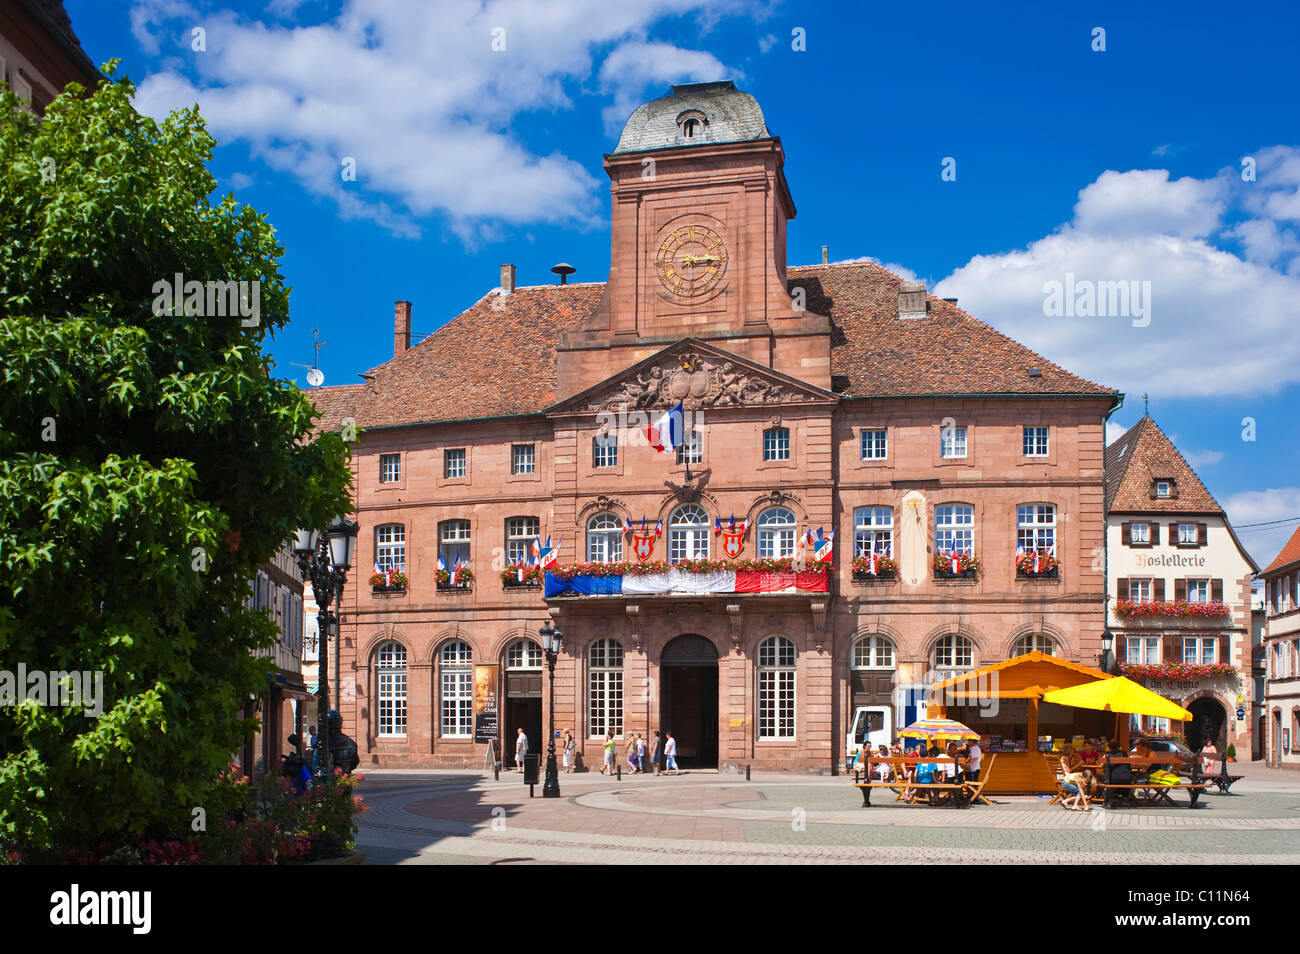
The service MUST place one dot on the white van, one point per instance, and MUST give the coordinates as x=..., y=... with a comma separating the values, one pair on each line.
x=872, y=726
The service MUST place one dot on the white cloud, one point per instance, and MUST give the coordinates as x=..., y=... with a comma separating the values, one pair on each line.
x=766, y=43
x=419, y=97
x=1264, y=506
x=1196, y=459
x=1114, y=431
x=1216, y=323
x=1146, y=202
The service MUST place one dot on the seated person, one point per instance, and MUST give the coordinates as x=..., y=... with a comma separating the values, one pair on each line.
x=881, y=770
x=1073, y=782
x=1089, y=754
x=1142, y=750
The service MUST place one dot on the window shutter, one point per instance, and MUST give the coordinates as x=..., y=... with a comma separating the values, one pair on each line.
x=1222, y=650
x=1158, y=589
x=1202, y=534
x=1173, y=649
x=1216, y=591
x=1126, y=533
x=1180, y=589
x=1121, y=588
x=1155, y=534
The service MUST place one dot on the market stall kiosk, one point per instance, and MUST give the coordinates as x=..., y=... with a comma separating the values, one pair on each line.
x=1003, y=703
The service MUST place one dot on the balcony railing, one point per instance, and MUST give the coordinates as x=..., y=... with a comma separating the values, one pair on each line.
x=693, y=577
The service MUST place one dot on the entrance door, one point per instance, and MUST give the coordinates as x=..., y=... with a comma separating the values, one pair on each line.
x=523, y=700
x=688, y=699
x=1206, y=725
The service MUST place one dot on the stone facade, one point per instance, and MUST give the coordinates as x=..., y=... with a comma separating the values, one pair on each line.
x=1281, y=657
x=701, y=309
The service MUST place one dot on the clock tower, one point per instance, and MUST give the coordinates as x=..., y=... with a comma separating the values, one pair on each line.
x=700, y=206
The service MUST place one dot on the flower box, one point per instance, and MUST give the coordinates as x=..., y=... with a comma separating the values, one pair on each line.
x=1170, y=672
x=380, y=582
x=466, y=577
x=1130, y=609
x=886, y=570
x=1048, y=566
x=532, y=577
x=967, y=566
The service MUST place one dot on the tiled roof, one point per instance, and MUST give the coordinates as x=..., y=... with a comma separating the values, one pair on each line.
x=1288, y=555
x=498, y=357
x=949, y=351
x=1142, y=456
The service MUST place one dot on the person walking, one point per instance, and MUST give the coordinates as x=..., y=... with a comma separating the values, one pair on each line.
x=975, y=754
x=631, y=754
x=570, y=750
x=657, y=752
x=521, y=749
x=670, y=753
x=611, y=754
x=640, y=754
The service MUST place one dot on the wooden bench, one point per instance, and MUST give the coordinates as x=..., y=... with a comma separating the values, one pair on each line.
x=1144, y=791
x=899, y=765
x=1222, y=779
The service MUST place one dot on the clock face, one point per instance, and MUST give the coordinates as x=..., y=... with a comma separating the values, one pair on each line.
x=691, y=261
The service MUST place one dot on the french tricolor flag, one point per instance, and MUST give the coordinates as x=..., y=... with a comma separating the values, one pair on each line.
x=665, y=434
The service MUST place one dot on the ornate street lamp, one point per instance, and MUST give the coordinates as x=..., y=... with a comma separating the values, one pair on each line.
x=1107, y=660
x=552, y=642
x=325, y=559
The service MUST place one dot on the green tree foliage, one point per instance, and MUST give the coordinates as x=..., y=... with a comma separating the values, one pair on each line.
x=148, y=465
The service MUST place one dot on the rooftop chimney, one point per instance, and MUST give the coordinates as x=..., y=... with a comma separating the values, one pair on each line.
x=507, y=278
x=401, y=327
x=825, y=253
x=911, y=300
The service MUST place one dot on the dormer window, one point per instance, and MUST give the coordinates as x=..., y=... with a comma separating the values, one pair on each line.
x=691, y=125
x=1164, y=488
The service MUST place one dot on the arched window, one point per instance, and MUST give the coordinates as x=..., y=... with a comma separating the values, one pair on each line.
x=604, y=538
x=1036, y=528
x=390, y=546
x=1033, y=642
x=954, y=528
x=776, y=682
x=390, y=667
x=605, y=688
x=524, y=654
x=456, y=680
x=873, y=531
x=954, y=652
x=776, y=533
x=873, y=652
x=688, y=534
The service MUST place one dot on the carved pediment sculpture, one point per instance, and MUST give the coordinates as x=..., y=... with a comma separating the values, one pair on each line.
x=698, y=381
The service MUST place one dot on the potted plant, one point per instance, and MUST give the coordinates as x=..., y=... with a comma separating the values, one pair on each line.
x=463, y=579
x=532, y=576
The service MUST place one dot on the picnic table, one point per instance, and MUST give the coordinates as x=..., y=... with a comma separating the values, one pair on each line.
x=1141, y=790
x=958, y=794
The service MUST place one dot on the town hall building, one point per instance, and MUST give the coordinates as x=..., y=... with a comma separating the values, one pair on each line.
x=872, y=489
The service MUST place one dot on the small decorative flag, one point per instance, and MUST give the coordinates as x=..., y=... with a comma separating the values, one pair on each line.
x=659, y=529
x=956, y=564
x=627, y=524
x=535, y=548
x=717, y=525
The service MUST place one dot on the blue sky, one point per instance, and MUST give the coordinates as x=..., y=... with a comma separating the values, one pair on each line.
x=1122, y=164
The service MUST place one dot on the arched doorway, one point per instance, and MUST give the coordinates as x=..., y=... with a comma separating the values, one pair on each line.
x=523, y=696
x=688, y=699
x=1206, y=725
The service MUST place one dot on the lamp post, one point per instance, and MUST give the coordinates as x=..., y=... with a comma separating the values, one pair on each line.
x=552, y=641
x=325, y=559
x=1107, y=640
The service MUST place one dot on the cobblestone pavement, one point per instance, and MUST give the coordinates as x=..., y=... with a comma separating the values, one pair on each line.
x=421, y=817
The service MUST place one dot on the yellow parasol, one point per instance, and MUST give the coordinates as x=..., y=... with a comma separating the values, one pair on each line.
x=1118, y=694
